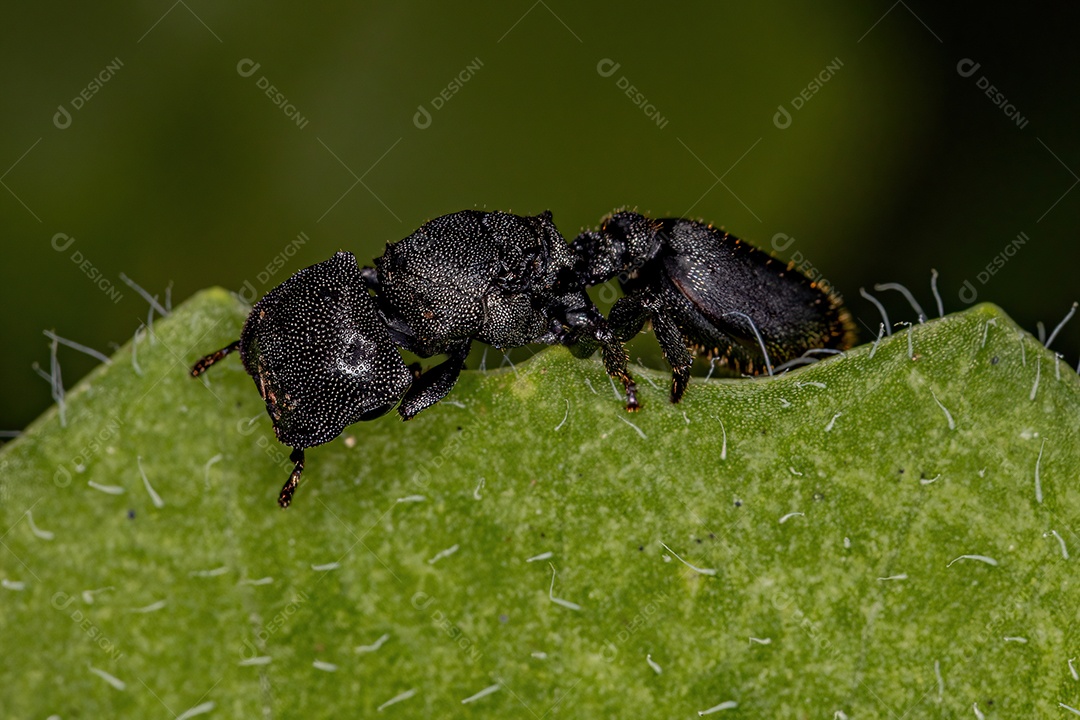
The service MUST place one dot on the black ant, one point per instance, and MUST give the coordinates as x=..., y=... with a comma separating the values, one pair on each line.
x=324, y=351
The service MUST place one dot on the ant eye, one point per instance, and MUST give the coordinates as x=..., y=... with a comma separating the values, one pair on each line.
x=357, y=358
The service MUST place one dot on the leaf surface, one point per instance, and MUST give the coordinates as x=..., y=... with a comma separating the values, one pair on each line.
x=884, y=533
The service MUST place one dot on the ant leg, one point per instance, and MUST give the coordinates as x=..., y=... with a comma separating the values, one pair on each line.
x=673, y=346
x=200, y=367
x=615, y=358
x=628, y=316
x=433, y=385
x=287, y=490
x=580, y=345
x=590, y=320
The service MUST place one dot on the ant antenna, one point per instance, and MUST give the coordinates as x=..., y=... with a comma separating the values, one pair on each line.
x=200, y=367
x=287, y=490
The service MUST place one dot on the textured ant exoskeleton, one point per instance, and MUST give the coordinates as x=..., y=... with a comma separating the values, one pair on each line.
x=321, y=357
x=500, y=279
x=706, y=291
x=324, y=353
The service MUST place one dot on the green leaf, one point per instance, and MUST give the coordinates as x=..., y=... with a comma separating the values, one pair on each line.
x=886, y=533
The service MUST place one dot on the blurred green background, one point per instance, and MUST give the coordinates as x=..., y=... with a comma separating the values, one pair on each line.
x=175, y=166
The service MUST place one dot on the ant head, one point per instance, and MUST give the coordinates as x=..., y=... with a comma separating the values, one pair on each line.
x=320, y=354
